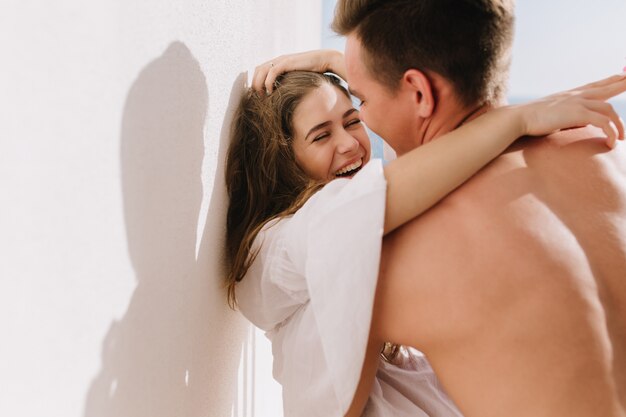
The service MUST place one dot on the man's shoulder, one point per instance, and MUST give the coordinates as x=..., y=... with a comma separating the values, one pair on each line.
x=534, y=163
x=530, y=182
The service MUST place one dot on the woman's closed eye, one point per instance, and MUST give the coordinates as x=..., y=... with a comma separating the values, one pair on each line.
x=349, y=124
x=353, y=122
x=321, y=136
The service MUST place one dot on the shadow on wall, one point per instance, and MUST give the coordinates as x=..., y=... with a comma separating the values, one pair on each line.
x=176, y=350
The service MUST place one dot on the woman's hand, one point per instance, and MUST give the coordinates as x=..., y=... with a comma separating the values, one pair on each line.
x=585, y=105
x=321, y=60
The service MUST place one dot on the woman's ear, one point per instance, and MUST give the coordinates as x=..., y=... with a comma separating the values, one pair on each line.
x=421, y=90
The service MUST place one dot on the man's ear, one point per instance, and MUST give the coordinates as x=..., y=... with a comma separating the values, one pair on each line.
x=421, y=89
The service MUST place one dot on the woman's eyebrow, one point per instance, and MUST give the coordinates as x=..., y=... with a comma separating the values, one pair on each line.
x=326, y=123
x=349, y=112
x=317, y=127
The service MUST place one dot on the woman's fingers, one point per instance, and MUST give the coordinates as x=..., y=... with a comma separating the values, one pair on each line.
x=265, y=74
x=605, y=124
x=606, y=91
x=320, y=60
x=261, y=74
x=567, y=110
x=604, y=116
x=587, y=105
x=603, y=82
x=608, y=110
x=276, y=68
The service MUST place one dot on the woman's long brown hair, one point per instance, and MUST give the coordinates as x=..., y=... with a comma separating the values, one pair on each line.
x=263, y=179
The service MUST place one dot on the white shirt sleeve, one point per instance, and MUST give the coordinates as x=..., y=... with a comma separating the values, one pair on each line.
x=312, y=288
x=335, y=241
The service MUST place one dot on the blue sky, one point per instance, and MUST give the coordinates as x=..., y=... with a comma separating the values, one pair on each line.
x=559, y=44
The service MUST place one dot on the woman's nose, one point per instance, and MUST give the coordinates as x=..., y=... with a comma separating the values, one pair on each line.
x=346, y=142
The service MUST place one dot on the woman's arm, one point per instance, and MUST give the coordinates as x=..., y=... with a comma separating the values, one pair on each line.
x=422, y=177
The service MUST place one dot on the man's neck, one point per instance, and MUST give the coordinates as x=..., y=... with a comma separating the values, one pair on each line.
x=449, y=119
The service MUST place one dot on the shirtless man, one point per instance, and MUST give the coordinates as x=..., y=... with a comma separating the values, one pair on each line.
x=517, y=280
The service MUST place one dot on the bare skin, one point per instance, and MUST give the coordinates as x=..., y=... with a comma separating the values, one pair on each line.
x=514, y=286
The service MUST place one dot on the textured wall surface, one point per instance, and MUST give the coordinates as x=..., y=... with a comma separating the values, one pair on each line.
x=114, y=120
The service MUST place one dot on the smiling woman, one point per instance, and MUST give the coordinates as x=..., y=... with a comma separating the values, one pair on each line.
x=337, y=144
x=262, y=175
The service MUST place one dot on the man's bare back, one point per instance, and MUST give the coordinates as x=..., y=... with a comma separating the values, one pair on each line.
x=520, y=276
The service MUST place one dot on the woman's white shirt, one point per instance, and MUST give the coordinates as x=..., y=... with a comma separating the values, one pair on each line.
x=311, y=288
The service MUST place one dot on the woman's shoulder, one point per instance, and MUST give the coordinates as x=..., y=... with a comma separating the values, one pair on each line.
x=342, y=191
x=269, y=234
x=272, y=289
x=271, y=251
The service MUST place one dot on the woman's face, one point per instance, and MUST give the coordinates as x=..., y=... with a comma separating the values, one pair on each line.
x=329, y=139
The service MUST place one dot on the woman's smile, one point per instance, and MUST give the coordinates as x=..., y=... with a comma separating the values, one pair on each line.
x=330, y=140
x=350, y=169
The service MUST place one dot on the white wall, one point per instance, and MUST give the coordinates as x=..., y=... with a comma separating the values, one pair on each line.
x=114, y=117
